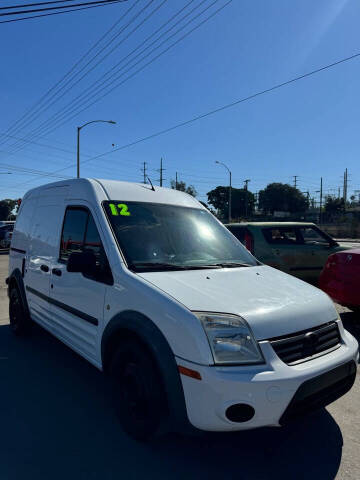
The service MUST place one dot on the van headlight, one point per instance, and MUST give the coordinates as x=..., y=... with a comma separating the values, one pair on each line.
x=230, y=338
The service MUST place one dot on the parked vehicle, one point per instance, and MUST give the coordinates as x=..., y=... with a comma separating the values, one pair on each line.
x=340, y=278
x=148, y=286
x=6, y=234
x=300, y=249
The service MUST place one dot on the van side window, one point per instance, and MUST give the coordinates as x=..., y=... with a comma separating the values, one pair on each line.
x=81, y=234
x=73, y=234
x=282, y=235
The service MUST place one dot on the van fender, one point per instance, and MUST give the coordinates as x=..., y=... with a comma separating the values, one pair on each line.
x=16, y=279
x=155, y=341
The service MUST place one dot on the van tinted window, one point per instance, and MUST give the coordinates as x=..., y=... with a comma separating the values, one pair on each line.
x=73, y=232
x=79, y=234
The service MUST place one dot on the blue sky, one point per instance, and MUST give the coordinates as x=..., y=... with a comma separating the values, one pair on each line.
x=309, y=129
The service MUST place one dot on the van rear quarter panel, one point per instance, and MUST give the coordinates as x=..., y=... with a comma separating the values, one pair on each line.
x=21, y=234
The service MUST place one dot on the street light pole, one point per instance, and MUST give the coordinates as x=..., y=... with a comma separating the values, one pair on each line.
x=228, y=169
x=78, y=142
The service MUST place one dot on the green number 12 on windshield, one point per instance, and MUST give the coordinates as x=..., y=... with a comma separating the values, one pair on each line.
x=119, y=209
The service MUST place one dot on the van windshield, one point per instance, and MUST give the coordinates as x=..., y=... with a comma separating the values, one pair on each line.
x=158, y=237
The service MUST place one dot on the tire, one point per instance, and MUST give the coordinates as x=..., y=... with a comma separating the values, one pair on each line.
x=19, y=321
x=138, y=393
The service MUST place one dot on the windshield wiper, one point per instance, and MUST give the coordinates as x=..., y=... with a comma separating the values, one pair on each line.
x=158, y=266
x=162, y=266
x=231, y=265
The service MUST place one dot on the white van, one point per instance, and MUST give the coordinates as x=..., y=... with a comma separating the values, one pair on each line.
x=148, y=286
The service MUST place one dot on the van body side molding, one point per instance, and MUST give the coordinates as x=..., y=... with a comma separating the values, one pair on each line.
x=67, y=308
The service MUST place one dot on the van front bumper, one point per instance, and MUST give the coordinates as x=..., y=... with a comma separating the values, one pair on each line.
x=275, y=392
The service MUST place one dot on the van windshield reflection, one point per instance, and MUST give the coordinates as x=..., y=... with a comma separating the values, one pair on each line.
x=158, y=237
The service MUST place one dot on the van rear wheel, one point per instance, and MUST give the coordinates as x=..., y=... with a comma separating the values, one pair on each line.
x=138, y=393
x=19, y=321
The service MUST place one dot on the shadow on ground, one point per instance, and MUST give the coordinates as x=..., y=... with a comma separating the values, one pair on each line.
x=57, y=423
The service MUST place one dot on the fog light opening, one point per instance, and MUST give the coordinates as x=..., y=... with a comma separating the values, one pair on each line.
x=240, y=412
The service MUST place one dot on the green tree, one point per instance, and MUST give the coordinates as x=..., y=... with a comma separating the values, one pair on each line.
x=182, y=187
x=334, y=206
x=6, y=207
x=242, y=201
x=282, y=197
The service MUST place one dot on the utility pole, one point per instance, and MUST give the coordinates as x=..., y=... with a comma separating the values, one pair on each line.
x=176, y=181
x=246, y=182
x=161, y=169
x=295, y=180
x=144, y=171
x=321, y=196
x=345, y=186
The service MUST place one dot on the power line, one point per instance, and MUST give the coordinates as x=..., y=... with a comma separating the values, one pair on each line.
x=146, y=64
x=108, y=2
x=95, y=89
x=214, y=111
x=21, y=123
x=36, y=143
x=232, y=104
x=35, y=10
x=46, y=107
x=34, y=4
x=72, y=68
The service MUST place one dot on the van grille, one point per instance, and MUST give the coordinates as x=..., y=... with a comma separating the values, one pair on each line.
x=306, y=345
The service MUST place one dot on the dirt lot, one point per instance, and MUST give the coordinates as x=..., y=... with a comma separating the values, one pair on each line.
x=57, y=423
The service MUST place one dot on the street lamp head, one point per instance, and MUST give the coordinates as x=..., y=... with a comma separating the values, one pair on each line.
x=111, y=121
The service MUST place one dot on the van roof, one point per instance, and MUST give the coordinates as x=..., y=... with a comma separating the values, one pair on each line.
x=86, y=188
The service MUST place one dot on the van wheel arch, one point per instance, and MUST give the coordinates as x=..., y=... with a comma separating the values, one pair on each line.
x=134, y=325
x=19, y=313
x=16, y=281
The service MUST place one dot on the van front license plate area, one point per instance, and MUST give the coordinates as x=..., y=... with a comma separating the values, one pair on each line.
x=320, y=391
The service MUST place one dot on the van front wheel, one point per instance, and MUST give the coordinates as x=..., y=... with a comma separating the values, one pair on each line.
x=139, y=396
x=19, y=322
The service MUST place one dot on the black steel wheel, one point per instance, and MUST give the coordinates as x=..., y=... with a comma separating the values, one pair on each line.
x=19, y=321
x=138, y=393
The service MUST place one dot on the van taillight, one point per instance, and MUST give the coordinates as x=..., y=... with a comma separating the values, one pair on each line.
x=249, y=242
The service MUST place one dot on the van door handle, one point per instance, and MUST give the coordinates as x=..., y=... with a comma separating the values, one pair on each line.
x=57, y=271
x=44, y=268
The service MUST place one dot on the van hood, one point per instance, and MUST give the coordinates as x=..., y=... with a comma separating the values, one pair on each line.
x=272, y=302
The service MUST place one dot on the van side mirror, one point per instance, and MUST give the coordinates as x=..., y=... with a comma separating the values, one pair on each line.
x=82, y=262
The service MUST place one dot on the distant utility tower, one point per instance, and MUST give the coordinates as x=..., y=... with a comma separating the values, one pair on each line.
x=143, y=169
x=161, y=170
